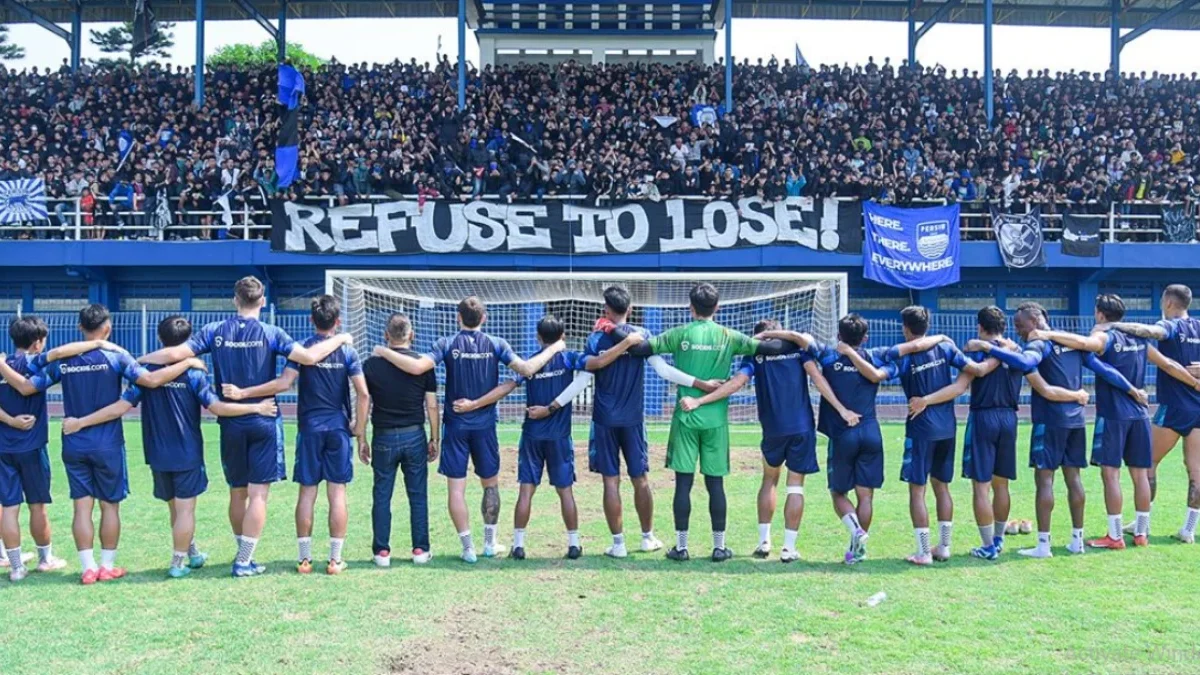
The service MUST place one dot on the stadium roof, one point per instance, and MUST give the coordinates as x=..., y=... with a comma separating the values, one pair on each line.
x=1085, y=13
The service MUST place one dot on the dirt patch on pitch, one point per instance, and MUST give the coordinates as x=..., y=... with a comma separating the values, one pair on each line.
x=465, y=644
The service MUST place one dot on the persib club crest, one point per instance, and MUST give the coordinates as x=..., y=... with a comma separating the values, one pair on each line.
x=218, y=341
x=684, y=346
x=933, y=238
x=454, y=353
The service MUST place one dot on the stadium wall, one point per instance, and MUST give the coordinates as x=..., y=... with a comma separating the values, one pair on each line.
x=42, y=276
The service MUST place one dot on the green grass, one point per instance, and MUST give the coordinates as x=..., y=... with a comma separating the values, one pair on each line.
x=1132, y=611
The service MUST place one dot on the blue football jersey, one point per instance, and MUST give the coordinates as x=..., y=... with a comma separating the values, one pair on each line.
x=171, y=438
x=90, y=382
x=323, y=401
x=543, y=388
x=854, y=391
x=473, y=359
x=1062, y=367
x=781, y=392
x=924, y=373
x=243, y=351
x=1183, y=346
x=1127, y=354
x=620, y=389
x=1000, y=388
x=12, y=402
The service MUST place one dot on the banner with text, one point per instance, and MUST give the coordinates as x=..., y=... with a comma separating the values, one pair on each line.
x=911, y=248
x=669, y=226
x=1081, y=235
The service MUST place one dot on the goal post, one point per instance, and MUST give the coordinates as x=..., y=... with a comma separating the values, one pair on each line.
x=515, y=301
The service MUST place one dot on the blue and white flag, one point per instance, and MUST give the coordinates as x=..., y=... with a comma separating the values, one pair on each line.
x=703, y=115
x=911, y=248
x=124, y=147
x=800, y=60
x=1019, y=237
x=22, y=201
x=287, y=151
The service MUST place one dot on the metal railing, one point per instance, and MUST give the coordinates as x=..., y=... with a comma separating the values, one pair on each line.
x=1120, y=221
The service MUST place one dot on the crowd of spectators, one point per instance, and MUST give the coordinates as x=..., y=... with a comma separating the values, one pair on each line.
x=879, y=131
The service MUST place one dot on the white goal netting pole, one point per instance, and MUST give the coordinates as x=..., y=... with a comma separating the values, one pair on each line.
x=515, y=301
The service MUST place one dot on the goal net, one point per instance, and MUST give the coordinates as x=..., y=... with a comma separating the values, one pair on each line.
x=515, y=302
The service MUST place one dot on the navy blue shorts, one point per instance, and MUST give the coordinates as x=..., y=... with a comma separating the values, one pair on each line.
x=99, y=474
x=855, y=458
x=1051, y=449
x=1122, y=441
x=556, y=456
x=798, y=451
x=923, y=459
x=990, y=445
x=608, y=444
x=188, y=484
x=478, y=445
x=323, y=455
x=25, y=477
x=1177, y=418
x=252, y=452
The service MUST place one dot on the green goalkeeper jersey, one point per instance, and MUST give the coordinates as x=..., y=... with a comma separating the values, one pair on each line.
x=705, y=350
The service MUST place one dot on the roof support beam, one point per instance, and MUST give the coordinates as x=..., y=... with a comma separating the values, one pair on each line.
x=33, y=17
x=253, y=13
x=1158, y=21
x=915, y=34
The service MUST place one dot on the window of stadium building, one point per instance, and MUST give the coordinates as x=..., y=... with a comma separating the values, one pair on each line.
x=152, y=304
x=1053, y=303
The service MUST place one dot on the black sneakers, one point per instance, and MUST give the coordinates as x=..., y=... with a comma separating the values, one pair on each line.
x=518, y=553
x=573, y=552
x=676, y=554
x=721, y=554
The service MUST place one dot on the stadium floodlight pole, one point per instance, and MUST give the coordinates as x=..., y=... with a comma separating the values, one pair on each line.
x=462, y=55
x=988, y=84
x=728, y=56
x=199, y=74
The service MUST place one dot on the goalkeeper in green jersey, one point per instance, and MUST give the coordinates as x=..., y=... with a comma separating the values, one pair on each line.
x=705, y=350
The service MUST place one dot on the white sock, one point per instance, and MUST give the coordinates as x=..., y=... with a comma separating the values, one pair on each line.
x=986, y=533
x=107, y=558
x=619, y=539
x=192, y=550
x=237, y=541
x=246, y=550
x=1077, y=534
x=489, y=536
x=44, y=553
x=1190, y=522
x=922, y=536
x=335, y=549
x=789, y=539
x=465, y=538
x=178, y=559
x=14, y=558
x=646, y=536
x=998, y=532
x=764, y=533
x=304, y=546
x=1142, y=524
x=519, y=537
x=681, y=540
x=87, y=560
x=1114, y=526
x=945, y=529
x=718, y=540
x=850, y=520
x=1043, y=544
x=572, y=538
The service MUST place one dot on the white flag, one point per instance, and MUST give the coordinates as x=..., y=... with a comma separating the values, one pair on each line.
x=226, y=211
x=665, y=121
x=800, y=60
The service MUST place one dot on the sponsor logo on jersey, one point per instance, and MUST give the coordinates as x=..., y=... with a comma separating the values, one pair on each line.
x=330, y=366
x=926, y=366
x=175, y=385
x=549, y=373
x=459, y=354
x=686, y=346
x=90, y=368
x=777, y=357
x=234, y=344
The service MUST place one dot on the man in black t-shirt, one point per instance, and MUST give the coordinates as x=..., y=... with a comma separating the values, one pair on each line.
x=400, y=405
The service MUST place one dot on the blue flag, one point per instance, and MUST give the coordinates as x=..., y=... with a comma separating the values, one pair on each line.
x=703, y=115
x=124, y=147
x=911, y=248
x=22, y=201
x=287, y=150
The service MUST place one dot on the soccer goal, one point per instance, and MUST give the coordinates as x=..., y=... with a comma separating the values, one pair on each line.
x=810, y=301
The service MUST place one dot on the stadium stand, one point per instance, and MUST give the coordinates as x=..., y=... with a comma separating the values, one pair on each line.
x=614, y=131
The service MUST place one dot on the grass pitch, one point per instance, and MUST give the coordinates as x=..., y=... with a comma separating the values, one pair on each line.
x=1121, y=612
